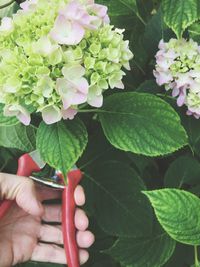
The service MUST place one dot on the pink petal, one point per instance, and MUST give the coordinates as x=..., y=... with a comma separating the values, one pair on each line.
x=78, y=98
x=95, y=101
x=69, y=113
x=67, y=32
x=51, y=114
x=99, y=10
x=181, y=99
x=81, y=85
x=25, y=118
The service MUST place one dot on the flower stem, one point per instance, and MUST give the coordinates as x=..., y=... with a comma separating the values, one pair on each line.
x=7, y=4
x=88, y=110
x=196, y=261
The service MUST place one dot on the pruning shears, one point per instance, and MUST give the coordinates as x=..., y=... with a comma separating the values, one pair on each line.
x=32, y=162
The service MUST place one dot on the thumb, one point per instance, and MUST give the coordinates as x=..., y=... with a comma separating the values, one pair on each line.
x=22, y=190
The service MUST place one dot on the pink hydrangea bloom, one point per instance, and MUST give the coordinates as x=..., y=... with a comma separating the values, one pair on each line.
x=177, y=68
x=71, y=23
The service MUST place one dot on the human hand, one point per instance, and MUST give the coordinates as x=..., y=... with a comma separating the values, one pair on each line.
x=22, y=234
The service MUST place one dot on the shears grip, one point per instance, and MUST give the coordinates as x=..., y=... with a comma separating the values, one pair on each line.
x=68, y=212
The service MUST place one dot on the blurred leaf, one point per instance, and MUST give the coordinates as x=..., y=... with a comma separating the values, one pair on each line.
x=115, y=9
x=149, y=86
x=18, y=136
x=192, y=127
x=142, y=124
x=145, y=8
x=119, y=206
x=8, y=11
x=178, y=213
x=184, y=170
x=182, y=257
x=153, y=34
x=194, y=31
x=154, y=250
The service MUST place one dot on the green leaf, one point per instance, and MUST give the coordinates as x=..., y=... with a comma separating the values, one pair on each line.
x=113, y=9
x=179, y=14
x=149, y=86
x=153, y=250
x=178, y=213
x=18, y=136
x=178, y=260
x=8, y=11
x=114, y=189
x=7, y=121
x=184, y=170
x=153, y=34
x=192, y=127
x=194, y=31
x=61, y=144
x=142, y=123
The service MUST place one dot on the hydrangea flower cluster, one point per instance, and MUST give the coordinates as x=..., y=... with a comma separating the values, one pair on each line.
x=178, y=68
x=56, y=55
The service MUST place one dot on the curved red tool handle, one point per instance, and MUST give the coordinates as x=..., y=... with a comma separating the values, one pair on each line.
x=26, y=165
x=68, y=211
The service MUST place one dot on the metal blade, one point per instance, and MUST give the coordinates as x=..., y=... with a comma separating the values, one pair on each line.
x=48, y=182
x=35, y=155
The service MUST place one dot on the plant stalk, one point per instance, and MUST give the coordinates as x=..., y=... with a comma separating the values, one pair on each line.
x=196, y=261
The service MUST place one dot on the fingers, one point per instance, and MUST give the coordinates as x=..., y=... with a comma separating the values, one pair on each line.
x=49, y=253
x=51, y=234
x=23, y=190
x=84, y=239
x=46, y=193
x=54, y=254
x=79, y=196
x=52, y=213
x=81, y=220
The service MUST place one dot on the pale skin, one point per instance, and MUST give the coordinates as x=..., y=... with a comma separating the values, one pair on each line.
x=22, y=234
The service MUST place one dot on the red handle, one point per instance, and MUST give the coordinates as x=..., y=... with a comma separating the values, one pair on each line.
x=68, y=212
x=26, y=165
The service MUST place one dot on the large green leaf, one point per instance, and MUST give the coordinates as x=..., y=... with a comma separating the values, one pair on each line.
x=7, y=121
x=179, y=14
x=61, y=144
x=184, y=170
x=142, y=123
x=18, y=136
x=119, y=206
x=178, y=213
x=150, y=251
